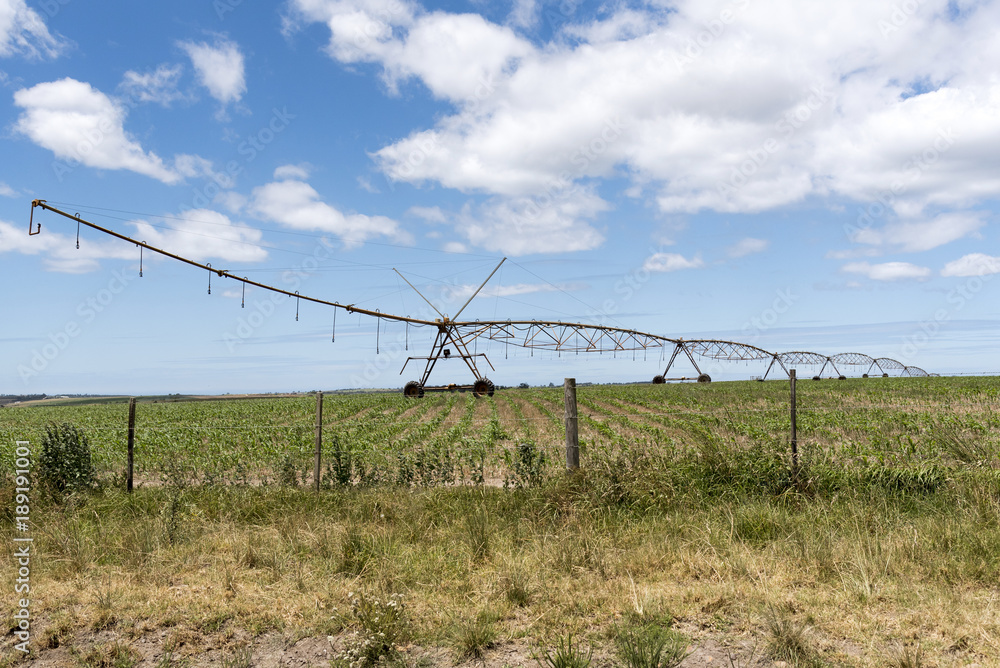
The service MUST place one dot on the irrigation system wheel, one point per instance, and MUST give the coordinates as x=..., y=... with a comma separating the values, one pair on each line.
x=658, y=380
x=413, y=389
x=704, y=378
x=483, y=387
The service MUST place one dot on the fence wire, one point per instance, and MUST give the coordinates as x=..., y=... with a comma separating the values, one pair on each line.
x=460, y=438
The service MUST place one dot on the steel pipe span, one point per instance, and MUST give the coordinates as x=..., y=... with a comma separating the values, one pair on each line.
x=551, y=335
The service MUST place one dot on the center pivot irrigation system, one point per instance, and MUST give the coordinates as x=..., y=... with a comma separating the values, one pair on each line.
x=556, y=336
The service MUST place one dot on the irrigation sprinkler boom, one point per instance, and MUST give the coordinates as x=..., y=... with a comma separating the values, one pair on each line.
x=555, y=336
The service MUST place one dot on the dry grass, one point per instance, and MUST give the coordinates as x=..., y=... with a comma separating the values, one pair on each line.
x=868, y=563
x=815, y=582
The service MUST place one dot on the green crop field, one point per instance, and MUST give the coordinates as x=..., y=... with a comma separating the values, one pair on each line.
x=452, y=520
x=905, y=424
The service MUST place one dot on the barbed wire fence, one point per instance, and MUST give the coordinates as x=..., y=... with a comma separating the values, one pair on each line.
x=424, y=443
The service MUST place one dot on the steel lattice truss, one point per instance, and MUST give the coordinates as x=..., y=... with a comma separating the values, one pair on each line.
x=555, y=336
x=559, y=336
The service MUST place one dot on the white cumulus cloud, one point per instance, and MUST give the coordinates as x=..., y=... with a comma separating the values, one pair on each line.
x=524, y=225
x=736, y=107
x=220, y=68
x=888, y=271
x=974, y=264
x=202, y=235
x=23, y=32
x=80, y=124
x=198, y=234
x=296, y=204
x=453, y=54
x=300, y=172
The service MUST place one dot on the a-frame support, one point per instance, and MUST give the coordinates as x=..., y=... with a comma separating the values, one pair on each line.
x=448, y=334
x=678, y=347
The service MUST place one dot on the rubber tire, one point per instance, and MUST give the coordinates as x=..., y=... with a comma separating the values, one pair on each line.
x=414, y=390
x=842, y=378
x=658, y=380
x=482, y=387
x=864, y=375
x=817, y=378
x=704, y=378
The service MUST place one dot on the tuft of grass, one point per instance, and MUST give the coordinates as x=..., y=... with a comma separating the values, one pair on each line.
x=477, y=635
x=111, y=655
x=907, y=658
x=478, y=530
x=358, y=550
x=166, y=660
x=238, y=659
x=565, y=655
x=650, y=646
x=757, y=524
x=965, y=447
x=105, y=608
x=58, y=632
x=788, y=640
x=516, y=587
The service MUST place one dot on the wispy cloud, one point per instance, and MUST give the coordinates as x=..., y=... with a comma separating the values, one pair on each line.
x=663, y=262
x=888, y=271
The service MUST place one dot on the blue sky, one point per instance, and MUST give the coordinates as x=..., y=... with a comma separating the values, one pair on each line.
x=792, y=175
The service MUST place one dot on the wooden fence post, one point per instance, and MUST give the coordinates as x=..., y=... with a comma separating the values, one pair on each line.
x=131, y=444
x=319, y=438
x=795, y=440
x=572, y=428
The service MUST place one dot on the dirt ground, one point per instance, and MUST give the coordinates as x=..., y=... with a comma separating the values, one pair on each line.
x=276, y=650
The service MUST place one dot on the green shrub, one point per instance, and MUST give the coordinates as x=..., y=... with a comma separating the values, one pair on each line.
x=525, y=466
x=65, y=464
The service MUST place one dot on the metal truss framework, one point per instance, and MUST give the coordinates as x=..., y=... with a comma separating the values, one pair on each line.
x=554, y=336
